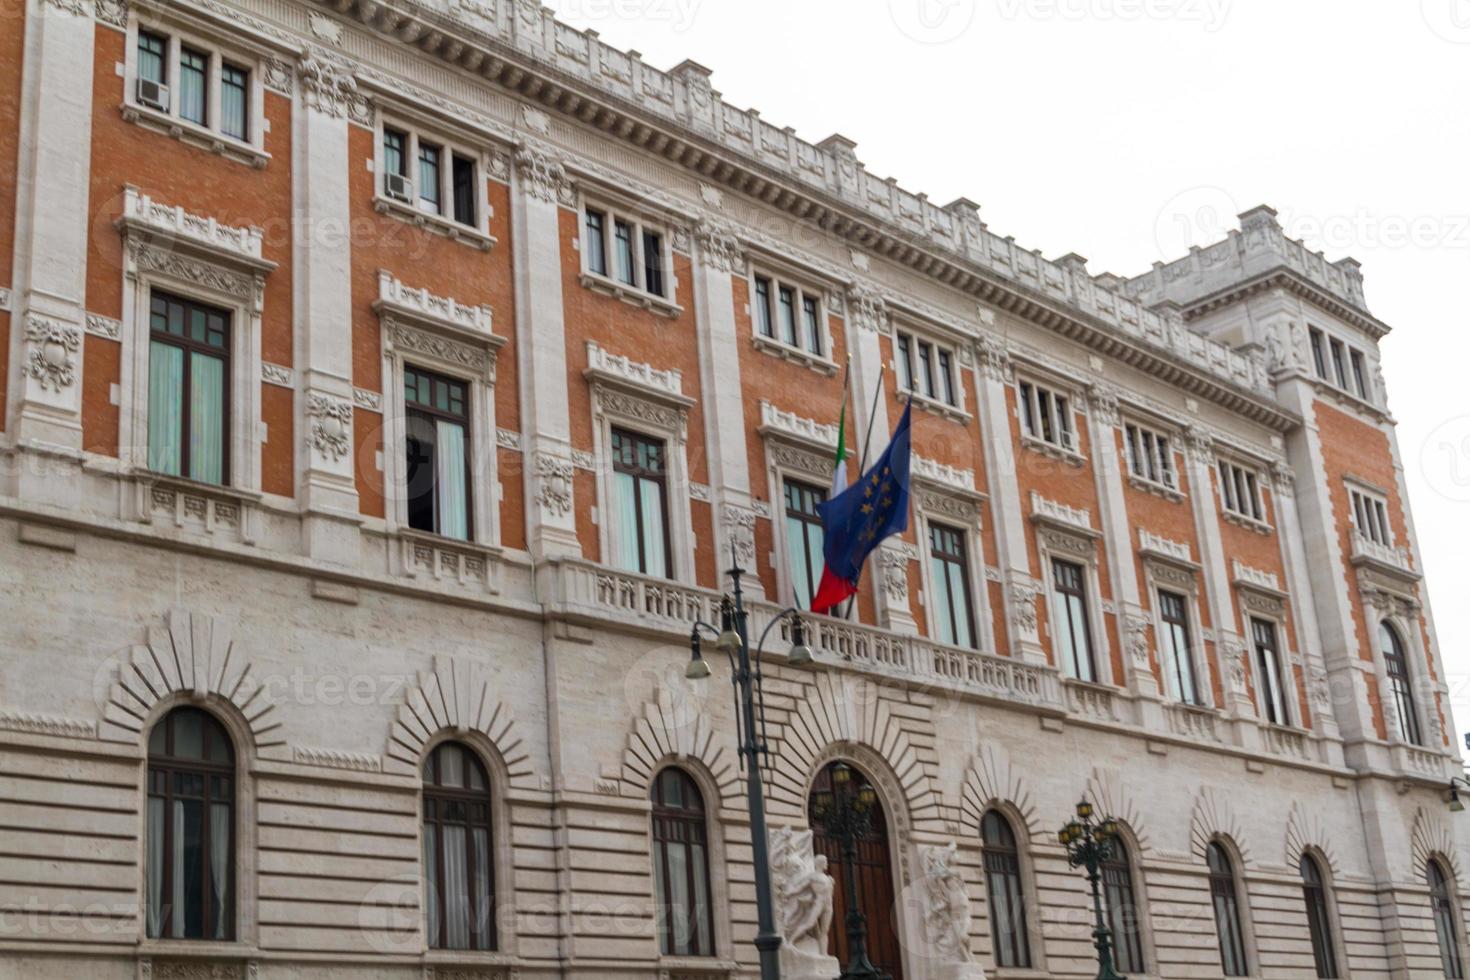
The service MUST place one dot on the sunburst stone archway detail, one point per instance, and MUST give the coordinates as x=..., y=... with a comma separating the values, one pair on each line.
x=992, y=780
x=1214, y=816
x=1431, y=837
x=666, y=731
x=1305, y=831
x=193, y=655
x=839, y=710
x=1113, y=797
x=456, y=697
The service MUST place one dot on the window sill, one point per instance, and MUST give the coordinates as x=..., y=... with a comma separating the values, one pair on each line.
x=198, y=950
x=631, y=295
x=776, y=348
x=711, y=967
x=467, y=959
x=936, y=407
x=195, y=135
x=1154, y=487
x=1249, y=523
x=1069, y=456
x=436, y=223
x=449, y=561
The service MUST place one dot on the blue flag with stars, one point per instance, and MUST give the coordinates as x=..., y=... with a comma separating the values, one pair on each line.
x=857, y=520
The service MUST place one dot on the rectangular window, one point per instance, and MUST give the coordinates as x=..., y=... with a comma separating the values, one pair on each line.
x=1268, y=665
x=946, y=378
x=596, y=243
x=193, y=82
x=926, y=369
x=1174, y=646
x=623, y=252
x=640, y=481
x=1370, y=517
x=763, y=320
x=395, y=152
x=438, y=424
x=811, y=321
x=905, y=362
x=1339, y=374
x=1150, y=457
x=153, y=57
x=787, y=304
x=1360, y=378
x=188, y=389
x=653, y=263
x=429, y=162
x=804, y=539
x=466, y=210
x=1319, y=354
x=1047, y=415
x=1240, y=492
x=1071, y=630
x=953, y=615
x=234, y=88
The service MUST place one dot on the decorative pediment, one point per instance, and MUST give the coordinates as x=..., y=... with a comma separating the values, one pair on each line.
x=1075, y=520
x=1152, y=547
x=172, y=229
x=1259, y=590
x=438, y=314
x=946, y=491
x=665, y=386
x=793, y=428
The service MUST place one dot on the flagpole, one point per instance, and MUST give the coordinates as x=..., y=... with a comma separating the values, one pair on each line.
x=863, y=463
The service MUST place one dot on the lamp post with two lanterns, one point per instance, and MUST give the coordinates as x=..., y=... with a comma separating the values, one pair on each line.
x=1089, y=843
x=733, y=637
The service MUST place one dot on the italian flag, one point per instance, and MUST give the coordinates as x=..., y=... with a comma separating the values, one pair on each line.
x=831, y=584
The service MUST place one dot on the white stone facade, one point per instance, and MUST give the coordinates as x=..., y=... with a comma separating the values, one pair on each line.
x=337, y=646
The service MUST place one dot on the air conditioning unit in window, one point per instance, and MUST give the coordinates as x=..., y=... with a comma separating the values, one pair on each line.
x=398, y=187
x=153, y=94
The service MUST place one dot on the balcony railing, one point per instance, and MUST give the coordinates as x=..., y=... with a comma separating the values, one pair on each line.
x=584, y=589
x=1384, y=557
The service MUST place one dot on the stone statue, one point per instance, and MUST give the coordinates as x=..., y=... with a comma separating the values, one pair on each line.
x=946, y=905
x=801, y=891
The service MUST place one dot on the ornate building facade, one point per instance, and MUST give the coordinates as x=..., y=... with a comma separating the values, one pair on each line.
x=388, y=385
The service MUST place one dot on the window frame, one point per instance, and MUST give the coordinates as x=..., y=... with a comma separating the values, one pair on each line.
x=417, y=130
x=1136, y=435
x=661, y=477
x=1024, y=947
x=1322, y=917
x=172, y=764
x=210, y=134
x=1233, y=479
x=944, y=372
x=1082, y=596
x=615, y=212
x=1341, y=365
x=1121, y=861
x=1029, y=389
x=803, y=289
x=963, y=557
x=190, y=348
x=1445, y=914
x=465, y=419
x=1368, y=514
x=710, y=947
x=1226, y=884
x=1282, y=686
x=807, y=520
x=493, y=849
x=1400, y=685
x=1165, y=625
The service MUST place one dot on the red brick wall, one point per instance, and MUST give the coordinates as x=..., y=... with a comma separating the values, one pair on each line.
x=12, y=57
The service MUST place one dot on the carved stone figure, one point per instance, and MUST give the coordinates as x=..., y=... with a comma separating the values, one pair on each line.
x=946, y=905
x=801, y=890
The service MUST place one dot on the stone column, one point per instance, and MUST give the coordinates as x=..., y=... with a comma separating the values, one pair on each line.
x=717, y=258
x=1103, y=420
x=1021, y=589
x=323, y=302
x=44, y=415
x=539, y=188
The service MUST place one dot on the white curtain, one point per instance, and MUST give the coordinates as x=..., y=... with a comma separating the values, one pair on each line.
x=206, y=418
x=654, y=551
x=450, y=481
x=155, y=865
x=679, y=899
x=942, y=608
x=481, y=839
x=625, y=529
x=165, y=407
x=431, y=883
x=176, y=896
x=456, y=889
x=219, y=869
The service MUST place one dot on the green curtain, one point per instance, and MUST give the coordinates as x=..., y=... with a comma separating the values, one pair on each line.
x=450, y=481
x=206, y=418
x=165, y=407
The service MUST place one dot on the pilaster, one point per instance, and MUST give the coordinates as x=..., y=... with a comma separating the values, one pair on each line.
x=51, y=229
x=539, y=188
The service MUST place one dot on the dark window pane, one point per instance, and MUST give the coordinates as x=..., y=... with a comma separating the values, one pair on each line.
x=234, y=102
x=465, y=206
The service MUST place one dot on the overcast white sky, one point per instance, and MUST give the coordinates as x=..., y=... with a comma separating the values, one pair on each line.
x=1126, y=130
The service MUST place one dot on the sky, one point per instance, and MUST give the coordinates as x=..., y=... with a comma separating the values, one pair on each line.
x=1127, y=130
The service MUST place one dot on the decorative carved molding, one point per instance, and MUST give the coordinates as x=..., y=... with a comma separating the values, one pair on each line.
x=103, y=326
x=995, y=359
x=1305, y=830
x=1022, y=616
x=1214, y=817
x=277, y=76
x=719, y=246
x=472, y=357
x=615, y=401
x=331, y=425
x=554, y=481
x=370, y=400
x=804, y=431
x=943, y=475
x=407, y=303
x=1103, y=403
x=32, y=723
x=1157, y=547
x=113, y=13
x=5, y=299
x=1199, y=445
x=170, y=223
x=739, y=524
x=459, y=696
x=867, y=308
x=328, y=86
x=1063, y=516
x=637, y=374
x=803, y=461
x=994, y=780
x=161, y=261
x=544, y=175
x=700, y=491
x=508, y=439
x=78, y=7
x=893, y=573
x=946, y=904
x=336, y=759
x=1136, y=640
x=50, y=359
x=275, y=374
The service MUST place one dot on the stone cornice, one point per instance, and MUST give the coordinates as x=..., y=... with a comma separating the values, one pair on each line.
x=1285, y=277
x=677, y=116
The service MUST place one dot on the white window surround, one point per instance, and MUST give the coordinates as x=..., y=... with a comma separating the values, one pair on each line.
x=1259, y=596
x=1368, y=513
x=1234, y=515
x=953, y=505
x=1170, y=574
x=1369, y=395
x=958, y=362
x=477, y=235
x=608, y=284
x=1065, y=448
x=194, y=257
x=454, y=339
x=1067, y=533
x=1168, y=488
x=719, y=870
x=798, y=449
x=804, y=288
x=640, y=398
x=251, y=150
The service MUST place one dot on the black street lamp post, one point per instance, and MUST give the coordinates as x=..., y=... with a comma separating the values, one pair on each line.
x=1089, y=842
x=846, y=814
x=750, y=706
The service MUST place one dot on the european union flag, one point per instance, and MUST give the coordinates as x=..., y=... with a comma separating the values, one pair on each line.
x=857, y=520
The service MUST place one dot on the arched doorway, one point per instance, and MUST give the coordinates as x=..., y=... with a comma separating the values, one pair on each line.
x=873, y=874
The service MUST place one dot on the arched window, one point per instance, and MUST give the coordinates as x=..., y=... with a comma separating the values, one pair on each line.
x=191, y=828
x=681, y=866
x=1443, y=904
x=1226, y=900
x=458, y=869
x=1319, y=920
x=1399, y=683
x=1122, y=909
x=1006, y=895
